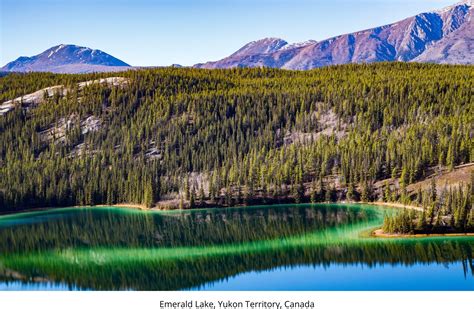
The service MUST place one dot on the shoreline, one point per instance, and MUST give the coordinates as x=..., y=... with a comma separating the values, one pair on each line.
x=129, y=206
x=40, y=209
x=379, y=233
x=395, y=205
x=157, y=207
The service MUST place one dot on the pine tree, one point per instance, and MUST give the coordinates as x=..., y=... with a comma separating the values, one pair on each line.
x=322, y=190
x=365, y=194
x=433, y=192
x=148, y=195
x=387, y=192
x=192, y=198
x=187, y=193
x=228, y=197
x=419, y=197
x=314, y=193
x=421, y=221
x=202, y=196
x=239, y=195
x=350, y=192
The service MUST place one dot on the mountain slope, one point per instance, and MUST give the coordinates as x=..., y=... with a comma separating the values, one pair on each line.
x=456, y=47
x=443, y=36
x=67, y=59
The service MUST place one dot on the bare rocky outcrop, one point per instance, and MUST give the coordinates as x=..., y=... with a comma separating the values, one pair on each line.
x=329, y=124
x=58, y=132
x=29, y=100
x=37, y=97
x=110, y=81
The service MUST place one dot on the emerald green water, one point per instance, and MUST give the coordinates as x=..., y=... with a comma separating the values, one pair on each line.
x=284, y=247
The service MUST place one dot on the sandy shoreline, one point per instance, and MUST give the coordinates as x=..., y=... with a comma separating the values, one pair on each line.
x=397, y=205
x=379, y=233
x=130, y=206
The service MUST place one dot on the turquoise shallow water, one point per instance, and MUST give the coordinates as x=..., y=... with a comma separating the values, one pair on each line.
x=284, y=247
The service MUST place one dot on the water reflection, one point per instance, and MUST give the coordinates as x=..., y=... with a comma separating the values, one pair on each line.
x=109, y=249
x=94, y=227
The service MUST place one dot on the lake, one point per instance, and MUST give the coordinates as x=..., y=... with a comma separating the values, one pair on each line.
x=282, y=247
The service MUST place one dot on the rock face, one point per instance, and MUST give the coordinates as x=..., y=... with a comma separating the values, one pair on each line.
x=457, y=46
x=67, y=59
x=444, y=36
x=33, y=99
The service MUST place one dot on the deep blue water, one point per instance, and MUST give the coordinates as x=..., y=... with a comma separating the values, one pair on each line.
x=337, y=277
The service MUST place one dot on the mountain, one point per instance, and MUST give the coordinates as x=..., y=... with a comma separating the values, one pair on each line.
x=443, y=36
x=68, y=59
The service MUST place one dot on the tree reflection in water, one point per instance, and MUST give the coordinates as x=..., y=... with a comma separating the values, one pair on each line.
x=109, y=249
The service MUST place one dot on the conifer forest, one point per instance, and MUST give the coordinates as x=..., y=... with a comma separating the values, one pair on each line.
x=195, y=138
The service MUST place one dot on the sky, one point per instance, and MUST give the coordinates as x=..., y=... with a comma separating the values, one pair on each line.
x=186, y=32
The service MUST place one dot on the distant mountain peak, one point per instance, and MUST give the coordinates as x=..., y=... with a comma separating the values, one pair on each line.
x=67, y=58
x=466, y=5
x=299, y=44
x=263, y=46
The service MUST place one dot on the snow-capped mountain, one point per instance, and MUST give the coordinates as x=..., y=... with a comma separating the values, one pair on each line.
x=264, y=46
x=443, y=36
x=67, y=59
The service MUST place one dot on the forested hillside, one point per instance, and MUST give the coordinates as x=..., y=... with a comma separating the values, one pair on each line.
x=193, y=137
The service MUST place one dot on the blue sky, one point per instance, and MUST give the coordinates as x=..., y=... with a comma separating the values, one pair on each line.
x=163, y=32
